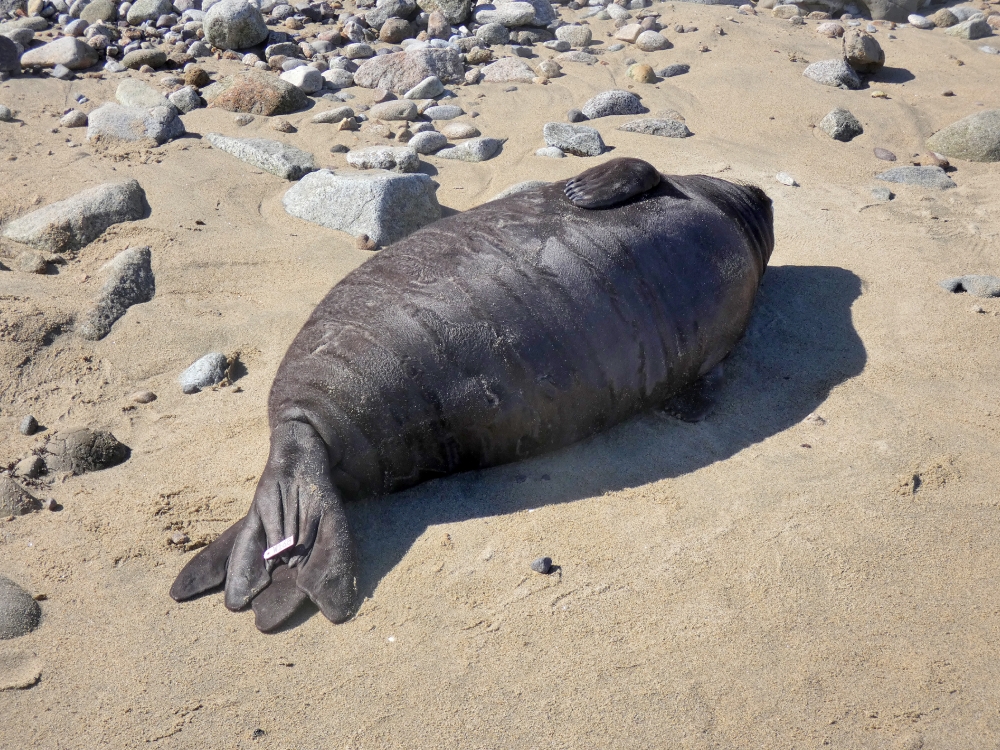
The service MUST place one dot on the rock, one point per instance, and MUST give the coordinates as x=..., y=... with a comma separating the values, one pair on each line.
x=973, y=138
x=944, y=18
x=974, y=28
x=575, y=139
x=68, y=51
x=613, y=102
x=520, y=187
x=30, y=467
x=186, y=99
x=670, y=71
x=333, y=115
x=786, y=179
x=477, y=149
x=884, y=154
x=492, y=33
x=542, y=565
x=508, y=70
x=977, y=286
x=10, y=56
x=927, y=177
x=841, y=125
x=112, y=123
x=551, y=152
x=438, y=26
x=428, y=142
x=84, y=450
x=197, y=77
x=384, y=206
x=304, y=77
x=395, y=30
x=282, y=125
x=576, y=56
x=653, y=126
x=544, y=12
x=510, y=14
x=454, y=11
x=337, y=78
x=130, y=282
x=154, y=58
x=19, y=612
x=132, y=92
x=642, y=74
x=255, y=93
x=204, y=373
x=651, y=41
x=142, y=397
x=388, y=9
x=459, y=130
x=575, y=35
x=277, y=158
x=398, y=109
x=862, y=51
x=919, y=22
x=549, y=69
x=830, y=29
x=62, y=73
x=892, y=10
x=28, y=426
x=31, y=262
x=429, y=88
x=14, y=499
x=72, y=223
x=833, y=73
x=359, y=51
x=73, y=119
x=443, y=112
x=147, y=10
x=100, y=10
x=401, y=71
x=394, y=158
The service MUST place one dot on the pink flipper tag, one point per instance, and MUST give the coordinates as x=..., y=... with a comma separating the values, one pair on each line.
x=284, y=544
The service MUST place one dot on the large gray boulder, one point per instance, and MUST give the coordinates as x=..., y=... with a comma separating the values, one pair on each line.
x=401, y=71
x=892, y=10
x=385, y=206
x=974, y=28
x=70, y=224
x=132, y=92
x=148, y=10
x=10, y=56
x=275, y=157
x=67, y=51
x=234, y=24
x=19, y=612
x=454, y=11
x=973, y=138
x=112, y=124
x=130, y=281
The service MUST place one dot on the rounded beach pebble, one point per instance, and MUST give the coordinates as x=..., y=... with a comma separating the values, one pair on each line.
x=207, y=371
x=542, y=565
x=19, y=613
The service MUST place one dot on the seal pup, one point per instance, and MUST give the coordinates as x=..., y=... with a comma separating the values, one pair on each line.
x=518, y=327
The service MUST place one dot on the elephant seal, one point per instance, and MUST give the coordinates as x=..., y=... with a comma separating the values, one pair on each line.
x=518, y=327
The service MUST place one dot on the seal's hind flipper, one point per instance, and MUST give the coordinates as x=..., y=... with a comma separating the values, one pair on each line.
x=206, y=570
x=276, y=604
x=611, y=183
x=697, y=401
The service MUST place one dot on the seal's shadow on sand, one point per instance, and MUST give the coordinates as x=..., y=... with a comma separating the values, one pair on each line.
x=799, y=345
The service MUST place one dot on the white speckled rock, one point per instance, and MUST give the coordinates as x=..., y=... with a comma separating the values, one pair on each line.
x=234, y=24
x=305, y=77
x=204, y=373
x=393, y=158
x=476, y=149
x=67, y=51
x=428, y=142
x=113, y=122
x=275, y=157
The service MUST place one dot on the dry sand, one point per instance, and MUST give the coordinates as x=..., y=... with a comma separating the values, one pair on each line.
x=754, y=581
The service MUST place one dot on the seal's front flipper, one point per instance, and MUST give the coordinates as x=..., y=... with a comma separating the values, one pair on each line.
x=206, y=570
x=611, y=183
x=275, y=605
x=697, y=401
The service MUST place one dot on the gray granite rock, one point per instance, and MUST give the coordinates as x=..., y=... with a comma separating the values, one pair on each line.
x=204, y=373
x=84, y=450
x=275, y=157
x=576, y=56
x=665, y=128
x=510, y=14
x=10, y=56
x=892, y=10
x=15, y=500
x=428, y=142
x=154, y=58
x=677, y=69
x=475, y=149
x=574, y=139
x=130, y=282
x=186, y=99
x=576, y=35
x=492, y=33
x=841, y=125
x=443, y=112
x=614, y=102
x=973, y=138
x=70, y=224
x=393, y=158
x=100, y=10
x=927, y=177
x=333, y=115
x=835, y=73
x=19, y=612
x=147, y=10
x=75, y=118
x=6, y=113
x=454, y=11
x=401, y=71
x=974, y=28
x=651, y=41
x=68, y=51
x=256, y=93
x=394, y=110
x=132, y=92
x=862, y=51
x=976, y=285
x=508, y=70
x=551, y=152
x=384, y=206
x=429, y=88
x=112, y=123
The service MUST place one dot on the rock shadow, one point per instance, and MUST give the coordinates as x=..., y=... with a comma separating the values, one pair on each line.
x=889, y=74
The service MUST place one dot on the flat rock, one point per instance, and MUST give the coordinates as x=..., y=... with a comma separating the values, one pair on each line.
x=154, y=58
x=454, y=11
x=73, y=223
x=928, y=177
x=394, y=110
x=333, y=115
x=429, y=88
x=401, y=71
x=83, y=450
x=148, y=10
x=574, y=139
x=509, y=14
x=428, y=142
x=19, y=613
x=384, y=206
x=976, y=285
x=508, y=70
x=833, y=73
x=973, y=138
x=132, y=92
x=975, y=28
x=576, y=56
x=255, y=93
x=67, y=51
x=476, y=149
x=130, y=282
x=278, y=158
x=443, y=112
x=14, y=499
x=551, y=152
x=677, y=69
x=460, y=130
x=204, y=373
x=613, y=102
x=841, y=125
x=576, y=35
x=654, y=126
x=112, y=123
x=393, y=158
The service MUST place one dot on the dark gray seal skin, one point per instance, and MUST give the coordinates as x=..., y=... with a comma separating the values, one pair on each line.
x=515, y=328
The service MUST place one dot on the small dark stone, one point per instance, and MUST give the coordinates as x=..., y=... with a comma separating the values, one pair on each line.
x=542, y=565
x=29, y=425
x=257, y=734
x=670, y=71
x=575, y=115
x=339, y=148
